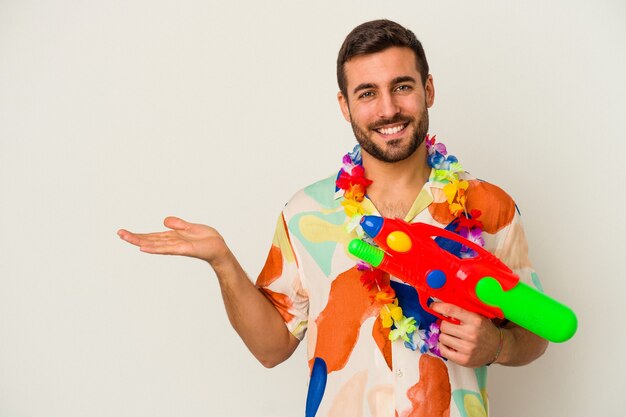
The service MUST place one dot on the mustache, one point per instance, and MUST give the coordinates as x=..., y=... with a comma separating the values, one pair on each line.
x=398, y=118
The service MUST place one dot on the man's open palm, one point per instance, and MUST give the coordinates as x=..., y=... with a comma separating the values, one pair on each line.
x=186, y=239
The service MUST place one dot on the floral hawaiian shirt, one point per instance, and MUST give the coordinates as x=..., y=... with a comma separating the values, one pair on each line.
x=356, y=370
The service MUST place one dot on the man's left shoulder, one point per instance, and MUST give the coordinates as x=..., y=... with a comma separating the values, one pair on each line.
x=496, y=206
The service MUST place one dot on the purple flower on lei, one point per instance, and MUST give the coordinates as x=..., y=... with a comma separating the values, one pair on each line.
x=352, y=159
x=363, y=266
x=474, y=235
x=426, y=340
x=432, y=340
x=436, y=148
x=347, y=164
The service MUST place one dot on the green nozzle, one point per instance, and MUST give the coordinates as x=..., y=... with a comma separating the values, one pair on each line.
x=530, y=309
x=370, y=254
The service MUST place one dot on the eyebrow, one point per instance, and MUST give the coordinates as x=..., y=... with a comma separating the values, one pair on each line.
x=403, y=79
x=363, y=86
x=397, y=80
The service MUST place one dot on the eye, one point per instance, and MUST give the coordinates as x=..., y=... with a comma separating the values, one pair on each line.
x=366, y=94
x=404, y=87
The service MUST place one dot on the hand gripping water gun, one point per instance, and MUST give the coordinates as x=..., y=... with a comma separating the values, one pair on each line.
x=482, y=284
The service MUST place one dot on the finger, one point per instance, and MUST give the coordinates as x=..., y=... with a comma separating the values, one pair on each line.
x=176, y=223
x=129, y=237
x=451, y=329
x=451, y=354
x=139, y=239
x=173, y=247
x=451, y=310
x=455, y=343
x=159, y=236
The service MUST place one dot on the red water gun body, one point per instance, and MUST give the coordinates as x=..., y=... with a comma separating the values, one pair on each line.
x=480, y=283
x=434, y=272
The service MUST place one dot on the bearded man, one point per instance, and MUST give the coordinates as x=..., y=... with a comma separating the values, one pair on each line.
x=373, y=350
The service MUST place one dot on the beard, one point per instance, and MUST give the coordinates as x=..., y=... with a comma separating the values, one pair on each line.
x=394, y=151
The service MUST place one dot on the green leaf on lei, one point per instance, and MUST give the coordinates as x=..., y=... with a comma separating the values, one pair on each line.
x=404, y=327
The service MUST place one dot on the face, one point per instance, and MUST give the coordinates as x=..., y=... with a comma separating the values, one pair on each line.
x=387, y=103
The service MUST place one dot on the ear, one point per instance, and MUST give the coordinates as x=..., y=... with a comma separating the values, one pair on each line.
x=343, y=105
x=430, y=91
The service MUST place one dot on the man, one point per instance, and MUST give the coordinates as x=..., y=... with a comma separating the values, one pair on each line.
x=367, y=355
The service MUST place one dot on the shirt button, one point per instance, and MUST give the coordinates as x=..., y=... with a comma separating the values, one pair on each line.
x=399, y=373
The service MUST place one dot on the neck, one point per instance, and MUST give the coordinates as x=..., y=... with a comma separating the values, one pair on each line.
x=412, y=172
x=396, y=184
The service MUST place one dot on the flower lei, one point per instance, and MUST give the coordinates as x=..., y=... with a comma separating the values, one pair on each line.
x=446, y=169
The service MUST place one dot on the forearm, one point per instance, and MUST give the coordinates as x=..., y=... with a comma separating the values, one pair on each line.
x=520, y=347
x=251, y=314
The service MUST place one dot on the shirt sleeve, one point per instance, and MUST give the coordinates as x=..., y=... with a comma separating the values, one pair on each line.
x=512, y=249
x=280, y=282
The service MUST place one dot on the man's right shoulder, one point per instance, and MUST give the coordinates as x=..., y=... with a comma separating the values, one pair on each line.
x=319, y=196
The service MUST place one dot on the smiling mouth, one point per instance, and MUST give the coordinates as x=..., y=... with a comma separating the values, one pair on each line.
x=392, y=130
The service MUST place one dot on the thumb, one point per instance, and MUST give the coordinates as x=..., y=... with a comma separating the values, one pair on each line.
x=176, y=223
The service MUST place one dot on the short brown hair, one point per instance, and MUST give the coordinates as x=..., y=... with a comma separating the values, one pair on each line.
x=376, y=36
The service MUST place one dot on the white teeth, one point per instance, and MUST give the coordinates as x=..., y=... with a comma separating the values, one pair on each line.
x=391, y=130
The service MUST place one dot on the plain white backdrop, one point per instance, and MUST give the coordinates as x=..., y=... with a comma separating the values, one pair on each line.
x=118, y=113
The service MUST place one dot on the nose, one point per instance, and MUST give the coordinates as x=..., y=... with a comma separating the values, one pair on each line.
x=388, y=107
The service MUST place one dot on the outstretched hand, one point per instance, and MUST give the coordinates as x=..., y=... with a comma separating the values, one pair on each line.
x=185, y=239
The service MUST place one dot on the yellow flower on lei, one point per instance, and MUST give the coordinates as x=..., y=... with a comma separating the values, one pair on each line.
x=352, y=208
x=455, y=192
x=390, y=312
x=455, y=187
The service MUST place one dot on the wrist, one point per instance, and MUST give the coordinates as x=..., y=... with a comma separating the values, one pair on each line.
x=221, y=262
x=499, y=346
x=226, y=267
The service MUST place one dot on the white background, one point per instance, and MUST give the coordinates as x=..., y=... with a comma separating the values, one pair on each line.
x=118, y=113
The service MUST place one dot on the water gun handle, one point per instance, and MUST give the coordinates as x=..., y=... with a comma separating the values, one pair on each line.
x=424, y=301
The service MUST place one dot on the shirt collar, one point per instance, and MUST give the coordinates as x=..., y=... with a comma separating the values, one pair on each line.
x=422, y=201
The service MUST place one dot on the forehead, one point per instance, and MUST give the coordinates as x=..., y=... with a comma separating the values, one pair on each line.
x=381, y=67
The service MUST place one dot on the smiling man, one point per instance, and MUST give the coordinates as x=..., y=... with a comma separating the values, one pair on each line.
x=391, y=111
x=373, y=351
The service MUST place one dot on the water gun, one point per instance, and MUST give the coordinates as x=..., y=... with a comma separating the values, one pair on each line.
x=482, y=284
